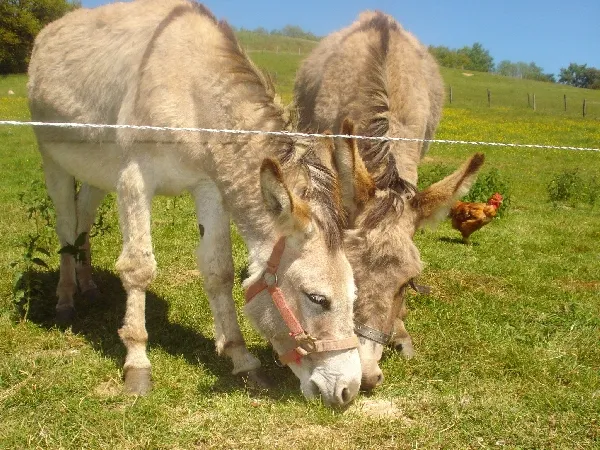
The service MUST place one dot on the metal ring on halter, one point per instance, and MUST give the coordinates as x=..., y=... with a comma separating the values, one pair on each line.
x=270, y=278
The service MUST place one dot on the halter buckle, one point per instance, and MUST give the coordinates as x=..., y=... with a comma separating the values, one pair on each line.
x=306, y=342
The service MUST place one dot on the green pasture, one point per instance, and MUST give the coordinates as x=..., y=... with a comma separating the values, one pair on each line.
x=507, y=343
x=257, y=42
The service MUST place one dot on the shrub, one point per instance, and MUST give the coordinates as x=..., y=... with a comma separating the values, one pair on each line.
x=432, y=174
x=484, y=187
x=571, y=187
x=488, y=184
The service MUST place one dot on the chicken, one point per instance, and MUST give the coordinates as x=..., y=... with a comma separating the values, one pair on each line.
x=470, y=217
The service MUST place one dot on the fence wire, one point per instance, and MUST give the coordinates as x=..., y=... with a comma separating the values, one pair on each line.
x=290, y=134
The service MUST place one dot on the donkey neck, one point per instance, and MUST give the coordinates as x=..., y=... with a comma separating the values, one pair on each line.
x=236, y=171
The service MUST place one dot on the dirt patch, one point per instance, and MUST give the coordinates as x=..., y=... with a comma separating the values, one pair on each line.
x=378, y=408
x=571, y=285
x=107, y=389
x=177, y=278
x=467, y=74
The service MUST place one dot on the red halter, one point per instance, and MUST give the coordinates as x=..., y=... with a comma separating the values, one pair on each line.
x=305, y=343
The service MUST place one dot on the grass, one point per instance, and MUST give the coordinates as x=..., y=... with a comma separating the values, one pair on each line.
x=507, y=343
x=510, y=94
x=256, y=42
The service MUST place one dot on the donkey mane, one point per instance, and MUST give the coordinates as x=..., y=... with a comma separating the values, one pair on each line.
x=249, y=75
x=322, y=183
x=323, y=187
x=378, y=159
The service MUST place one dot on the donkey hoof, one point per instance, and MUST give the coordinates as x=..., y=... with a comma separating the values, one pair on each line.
x=138, y=381
x=91, y=295
x=258, y=379
x=65, y=315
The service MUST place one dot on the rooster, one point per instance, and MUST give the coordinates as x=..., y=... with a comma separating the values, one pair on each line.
x=470, y=217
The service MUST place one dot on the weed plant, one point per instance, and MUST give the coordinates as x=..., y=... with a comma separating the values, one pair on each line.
x=571, y=187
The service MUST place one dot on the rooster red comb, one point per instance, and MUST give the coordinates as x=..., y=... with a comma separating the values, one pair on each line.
x=495, y=199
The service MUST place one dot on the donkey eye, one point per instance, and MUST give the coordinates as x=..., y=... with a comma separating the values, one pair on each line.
x=319, y=300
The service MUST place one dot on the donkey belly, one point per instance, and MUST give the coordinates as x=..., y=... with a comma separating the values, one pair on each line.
x=169, y=170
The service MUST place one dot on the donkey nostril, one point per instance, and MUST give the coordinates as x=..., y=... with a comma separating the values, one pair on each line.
x=345, y=395
x=379, y=379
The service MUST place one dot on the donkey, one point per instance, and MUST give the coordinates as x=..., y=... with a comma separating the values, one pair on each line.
x=375, y=79
x=171, y=63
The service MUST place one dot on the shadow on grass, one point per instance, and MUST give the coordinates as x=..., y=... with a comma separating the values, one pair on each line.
x=98, y=322
x=457, y=241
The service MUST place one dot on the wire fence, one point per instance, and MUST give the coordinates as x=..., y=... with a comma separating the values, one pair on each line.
x=286, y=133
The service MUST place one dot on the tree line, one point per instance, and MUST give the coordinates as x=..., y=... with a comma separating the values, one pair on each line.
x=21, y=20
x=293, y=31
x=479, y=59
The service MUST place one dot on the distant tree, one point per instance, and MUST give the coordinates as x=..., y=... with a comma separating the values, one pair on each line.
x=467, y=58
x=261, y=30
x=296, y=32
x=580, y=75
x=20, y=22
x=480, y=58
x=449, y=58
x=507, y=69
x=521, y=69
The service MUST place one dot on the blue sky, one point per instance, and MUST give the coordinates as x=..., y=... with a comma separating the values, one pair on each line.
x=550, y=33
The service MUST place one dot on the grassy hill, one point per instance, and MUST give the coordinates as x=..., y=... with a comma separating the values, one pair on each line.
x=257, y=42
x=507, y=342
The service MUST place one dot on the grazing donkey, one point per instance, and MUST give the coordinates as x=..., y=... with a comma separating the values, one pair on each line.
x=387, y=84
x=170, y=63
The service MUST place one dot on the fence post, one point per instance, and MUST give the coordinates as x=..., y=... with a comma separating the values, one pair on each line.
x=534, y=102
x=528, y=101
x=489, y=98
x=584, y=107
x=451, y=95
x=565, y=101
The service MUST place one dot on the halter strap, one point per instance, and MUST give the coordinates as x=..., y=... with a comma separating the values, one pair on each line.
x=372, y=334
x=269, y=277
x=382, y=337
x=305, y=343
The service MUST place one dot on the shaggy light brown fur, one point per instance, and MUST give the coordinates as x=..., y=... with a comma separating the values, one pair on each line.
x=379, y=77
x=170, y=63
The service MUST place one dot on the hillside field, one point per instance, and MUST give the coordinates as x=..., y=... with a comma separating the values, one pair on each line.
x=507, y=343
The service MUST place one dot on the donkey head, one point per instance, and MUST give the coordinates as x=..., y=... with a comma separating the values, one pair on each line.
x=380, y=248
x=300, y=293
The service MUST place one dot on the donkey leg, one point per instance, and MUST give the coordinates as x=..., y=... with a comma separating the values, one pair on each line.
x=88, y=200
x=61, y=189
x=137, y=267
x=216, y=265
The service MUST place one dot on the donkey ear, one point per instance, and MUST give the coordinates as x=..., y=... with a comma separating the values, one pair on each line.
x=433, y=204
x=356, y=184
x=291, y=213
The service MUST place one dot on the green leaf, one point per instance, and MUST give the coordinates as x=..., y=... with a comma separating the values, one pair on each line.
x=43, y=251
x=40, y=262
x=18, y=295
x=17, y=280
